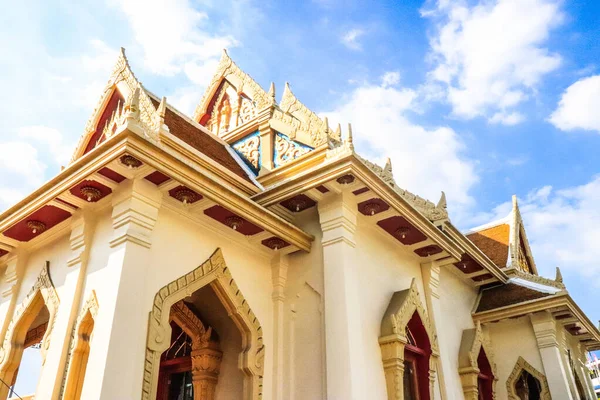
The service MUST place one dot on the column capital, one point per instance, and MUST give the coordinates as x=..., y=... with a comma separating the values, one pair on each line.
x=337, y=215
x=15, y=265
x=544, y=328
x=135, y=211
x=81, y=232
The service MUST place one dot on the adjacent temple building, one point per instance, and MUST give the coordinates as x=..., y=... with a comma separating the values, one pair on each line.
x=248, y=252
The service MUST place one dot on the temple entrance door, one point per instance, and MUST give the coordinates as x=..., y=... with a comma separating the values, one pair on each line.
x=175, y=378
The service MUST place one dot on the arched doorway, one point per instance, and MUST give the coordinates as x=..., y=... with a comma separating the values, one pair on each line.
x=213, y=300
x=30, y=329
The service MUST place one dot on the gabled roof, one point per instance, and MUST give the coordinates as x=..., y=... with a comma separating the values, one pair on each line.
x=124, y=84
x=505, y=242
x=203, y=140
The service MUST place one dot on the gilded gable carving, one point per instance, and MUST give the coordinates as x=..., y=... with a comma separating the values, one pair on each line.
x=249, y=149
x=287, y=150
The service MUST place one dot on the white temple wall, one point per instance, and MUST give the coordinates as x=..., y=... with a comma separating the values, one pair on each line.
x=456, y=303
x=511, y=339
x=304, y=345
x=383, y=267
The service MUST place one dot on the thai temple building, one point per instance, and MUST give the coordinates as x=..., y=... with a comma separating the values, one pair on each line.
x=249, y=252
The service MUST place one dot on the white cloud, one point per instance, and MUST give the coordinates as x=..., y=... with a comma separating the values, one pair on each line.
x=579, y=106
x=21, y=171
x=504, y=118
x=390, y=78
x=51, y=140
x=174, y=36
x=351, y=39
x=491, y=56
x=425, y=160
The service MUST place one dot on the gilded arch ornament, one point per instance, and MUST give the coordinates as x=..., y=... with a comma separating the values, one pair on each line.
x=402, y=307
x=42, y=293
x=472, y=342
x=521, y=366
x=68, y=386
x=213, y=272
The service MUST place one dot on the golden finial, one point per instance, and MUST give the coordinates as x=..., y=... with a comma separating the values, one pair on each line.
x=388, y=166
x=162, y=108
x=272, y=92
x=559, y=277
x=350, y=140
x=442, y=203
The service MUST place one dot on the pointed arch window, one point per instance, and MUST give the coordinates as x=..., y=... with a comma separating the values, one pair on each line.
x=485, y=379
x=416, y=361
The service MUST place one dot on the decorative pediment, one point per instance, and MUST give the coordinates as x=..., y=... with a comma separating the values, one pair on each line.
x=248, y=149
x=473, y=341
x=286, y=150
x=400, y=310
x=231, y=99
x=123, y=99
x=303, y=124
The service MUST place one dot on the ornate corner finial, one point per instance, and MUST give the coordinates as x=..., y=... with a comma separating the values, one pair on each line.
x=325, y=124
x=132, y=106
x=162, y=108
x=558, y=277
x=338, y=130
x=442, y=203
x=413, y=284
x=388, y=166
x=225, y=55
x=349, y=139
x=272, y=92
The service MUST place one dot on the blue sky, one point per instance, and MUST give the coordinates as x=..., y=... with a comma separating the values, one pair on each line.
x=482, y=99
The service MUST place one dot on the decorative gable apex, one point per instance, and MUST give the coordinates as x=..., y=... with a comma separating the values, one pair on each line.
x=231, y=99
x=519, y=252
x=123, y=100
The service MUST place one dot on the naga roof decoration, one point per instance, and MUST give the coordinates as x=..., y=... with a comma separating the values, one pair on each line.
x=430, y=210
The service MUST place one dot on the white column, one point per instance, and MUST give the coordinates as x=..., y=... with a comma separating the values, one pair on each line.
x=544, y=327
x=51, y=380
x=431, y=283
x=343, y=327
x=118, y=350
x=279, y=267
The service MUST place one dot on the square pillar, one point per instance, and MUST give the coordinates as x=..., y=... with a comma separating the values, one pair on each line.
x=54, y=371
x=343, y=325
x=279, y=268
x=544, y=328
x=431, y=284
x=120, y=330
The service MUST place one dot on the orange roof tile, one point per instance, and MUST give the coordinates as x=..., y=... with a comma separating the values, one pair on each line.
x=493, y=242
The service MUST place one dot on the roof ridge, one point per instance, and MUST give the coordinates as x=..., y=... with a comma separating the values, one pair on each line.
x=488, y=225
x=426, y=207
